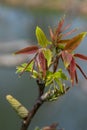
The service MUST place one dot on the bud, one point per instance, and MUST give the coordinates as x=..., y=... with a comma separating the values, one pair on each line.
x=17, y=106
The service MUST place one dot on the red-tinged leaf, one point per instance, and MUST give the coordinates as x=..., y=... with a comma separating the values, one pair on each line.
x=66, y=27
x=70, y=32
x=60, y=25
x=27, y=67
x=83, y=57
x=64, y=41
x=42, y=63
x=51, y=34
x=28, y=50
x=72, y=69
x=74, y=42
x=81, y=71
x=67, y=57
x=76, y=77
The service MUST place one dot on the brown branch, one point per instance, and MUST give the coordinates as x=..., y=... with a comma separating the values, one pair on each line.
x=26, y=122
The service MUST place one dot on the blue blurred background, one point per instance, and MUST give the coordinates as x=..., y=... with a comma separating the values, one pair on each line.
x=18, y=20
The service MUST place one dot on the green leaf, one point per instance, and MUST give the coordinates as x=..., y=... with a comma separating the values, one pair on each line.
x=48, y=82
x=17, y=106
x=34, y=74
x=41, y=37
x=60, y=84
x=54, y=94
x=61, y=46
x=28, y=69
x=48, y=56
x=60, y=74
x=74, y=42
x=49, y=78
x=20, y=68
x=23, y=66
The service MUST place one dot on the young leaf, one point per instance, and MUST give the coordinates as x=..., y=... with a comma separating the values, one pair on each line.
x=28, y=50
x=74, y=42
x=42, y=63
x=41, y=37
x=35, y=74
x=67, y=57
x=60, y=74
x=60, y=84
x=83, y=57
x=17, y=106
x=60, y=25
x=23, y=66
x=49, y=78
x=48, y=56
x=81, y=71
x=70, y=32
x=51, y=34
x=64, y=41
x=72, y=68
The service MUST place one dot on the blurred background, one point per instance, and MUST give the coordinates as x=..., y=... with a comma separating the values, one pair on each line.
x=18, y=20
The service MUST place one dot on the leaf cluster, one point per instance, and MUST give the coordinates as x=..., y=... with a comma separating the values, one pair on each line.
x=44, y=66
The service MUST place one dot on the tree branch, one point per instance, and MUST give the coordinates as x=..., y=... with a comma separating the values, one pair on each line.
x=26, y=122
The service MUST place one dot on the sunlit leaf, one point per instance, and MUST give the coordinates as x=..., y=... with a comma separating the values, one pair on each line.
x=48, y=56
x=60, y=84
x=34, y=74
x=41, y=37
x=23, y=66
x=49, y=82
x=49, y=78
x=20, y=68
x=74, y=42
x=17, y=106
x=28, y=50
x=60, y=74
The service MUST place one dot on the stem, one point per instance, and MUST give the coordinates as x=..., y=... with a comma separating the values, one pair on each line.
x=55, y=66
x=26, y=122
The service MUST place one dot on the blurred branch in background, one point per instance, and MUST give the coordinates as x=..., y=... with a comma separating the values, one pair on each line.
x=80, y=5
x=7, y=59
